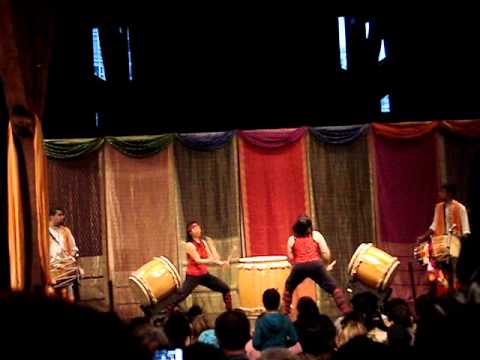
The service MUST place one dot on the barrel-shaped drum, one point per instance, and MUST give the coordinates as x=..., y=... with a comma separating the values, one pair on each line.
x=373, y=267
x=444, y=246
x=154, y=281
x=255, y=275
x=64, y=272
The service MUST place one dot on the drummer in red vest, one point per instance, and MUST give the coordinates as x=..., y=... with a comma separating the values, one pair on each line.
x=309, y=254
x=199, y=255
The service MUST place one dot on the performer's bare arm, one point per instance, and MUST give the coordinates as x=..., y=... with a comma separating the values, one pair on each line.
x=192, y=251
x=291, y=242
x=74, y=246
x=323, y=247
x=212, y=252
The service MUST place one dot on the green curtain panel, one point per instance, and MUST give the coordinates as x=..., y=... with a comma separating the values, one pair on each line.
x=140, y=146
x=340, y=181
x=133, y=146
x=72, y=148
x=208, y=193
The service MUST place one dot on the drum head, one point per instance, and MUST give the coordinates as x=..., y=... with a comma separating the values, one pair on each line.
x=140, y=291
x=262, y=259
x=360, y=250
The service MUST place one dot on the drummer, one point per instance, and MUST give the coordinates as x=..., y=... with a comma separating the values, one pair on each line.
x=450, y=217
x=62, y=246
x=200, y=253
x=309, y=254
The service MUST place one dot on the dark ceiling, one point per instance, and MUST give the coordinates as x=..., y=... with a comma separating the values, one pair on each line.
x=218, y=69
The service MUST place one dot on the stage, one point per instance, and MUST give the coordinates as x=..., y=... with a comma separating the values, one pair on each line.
x=128, y=199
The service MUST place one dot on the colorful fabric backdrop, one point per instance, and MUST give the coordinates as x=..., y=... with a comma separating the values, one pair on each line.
x=274, y=188
x=207, y=175
x=406, y=185
x=340, y=180
x=140, y=198
x=78, y=191
x=274, y=185
x=130, y=197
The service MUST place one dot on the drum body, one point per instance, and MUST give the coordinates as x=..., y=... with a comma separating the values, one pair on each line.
x=154, y=281
x=421, y=253
x=373, y=267
x=255, y=275
x=444, y=246
x=64, y=272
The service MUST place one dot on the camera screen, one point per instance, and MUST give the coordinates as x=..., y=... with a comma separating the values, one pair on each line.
x=176, y=354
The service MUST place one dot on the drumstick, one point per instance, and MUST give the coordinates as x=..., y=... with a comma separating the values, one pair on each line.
x=235, y=247
x=331, y=265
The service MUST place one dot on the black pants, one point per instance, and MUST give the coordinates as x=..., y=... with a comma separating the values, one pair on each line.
x=190, y=283
x=314, y=270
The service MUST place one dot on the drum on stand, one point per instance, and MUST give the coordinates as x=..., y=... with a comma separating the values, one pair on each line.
x=64, y=272
x=154, y=281
x=373, y=267
x=255, y=275
x=444, y=246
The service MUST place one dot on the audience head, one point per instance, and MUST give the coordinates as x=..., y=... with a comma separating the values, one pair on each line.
x=199, y=325
x=177, y=329
x=307, y=308
x=361, y=347
x=352, y=326
x=203, y=351
x=208, y=337
x=271, y=299
x=365, y=302
x=398, y=312
x=193, y=312
x=318, y=337
x=232, y=330
x=149, y=335
x=277, y=354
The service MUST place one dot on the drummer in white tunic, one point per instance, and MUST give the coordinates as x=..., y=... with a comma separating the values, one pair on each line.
x=62, y=246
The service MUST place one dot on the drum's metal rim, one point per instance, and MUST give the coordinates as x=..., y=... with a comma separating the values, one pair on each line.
x=263, y=266
x=255, y=311
x=143, y=288
x=176, y=275
x=393, y=268
x=262, y=259
x=63, y=283
x=360, y=249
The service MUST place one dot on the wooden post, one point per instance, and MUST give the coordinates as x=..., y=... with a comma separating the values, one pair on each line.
x=412, y=283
